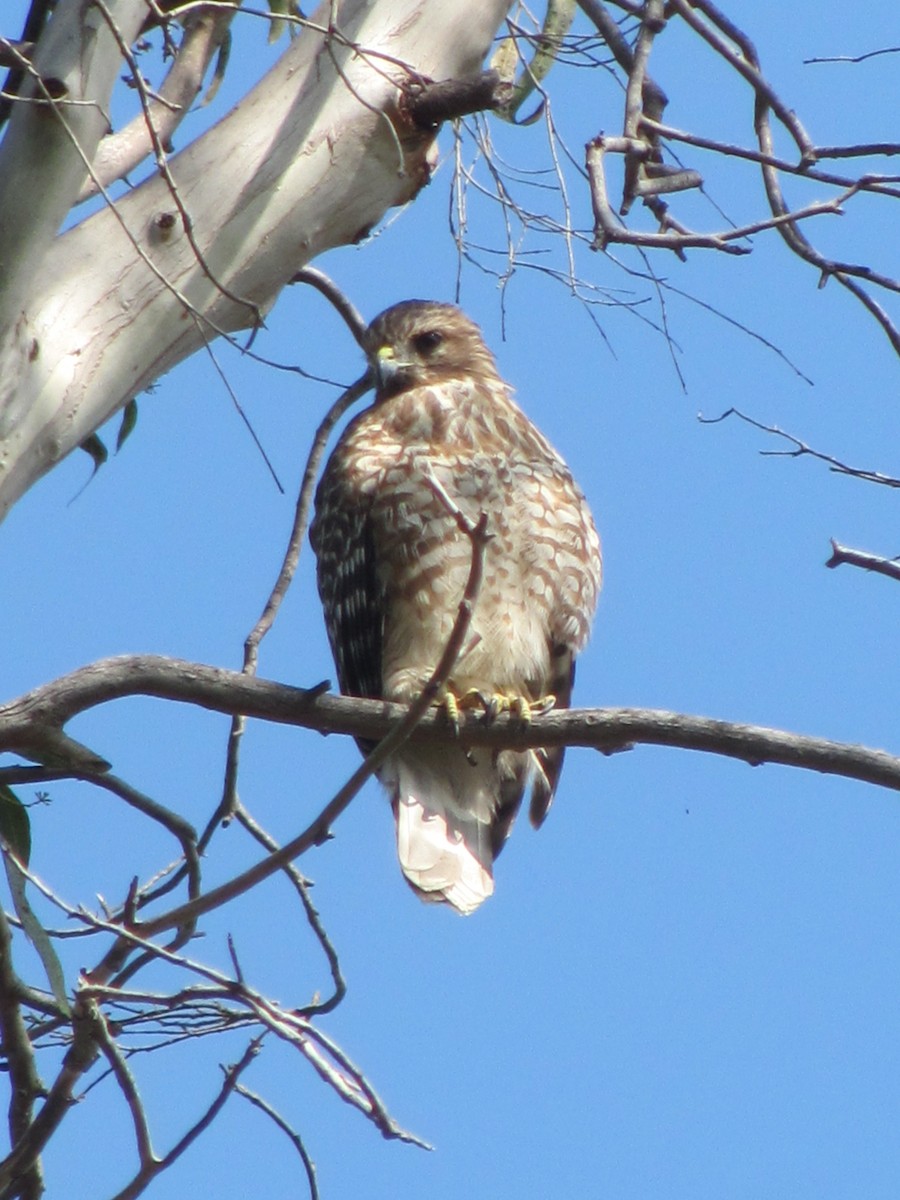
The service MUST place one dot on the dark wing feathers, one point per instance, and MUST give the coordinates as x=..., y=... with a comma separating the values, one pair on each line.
x=549, y=762
x=352, y=595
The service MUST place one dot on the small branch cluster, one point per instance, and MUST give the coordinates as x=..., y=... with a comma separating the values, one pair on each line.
x=648, y=177
x=652, y=171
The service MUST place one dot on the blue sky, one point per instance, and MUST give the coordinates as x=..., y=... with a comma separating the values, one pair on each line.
x=686, y=985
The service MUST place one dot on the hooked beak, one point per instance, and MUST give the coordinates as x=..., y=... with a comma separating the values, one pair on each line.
x=386, y=367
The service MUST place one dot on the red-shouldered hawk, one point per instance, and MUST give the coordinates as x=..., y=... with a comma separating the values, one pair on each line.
x=393, y=564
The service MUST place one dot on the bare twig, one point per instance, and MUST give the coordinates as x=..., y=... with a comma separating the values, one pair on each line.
x=858, y=58
x=296, y=1140
x=878, y=184
x=609, y=228
x=345, y=307
x=652, y=22
x=718, y=30
x=129, y=1090
x=334, y=1067
x=739, y=52
x=800, y=449
x=167, y=817
x=80, y=1056
x=312, y=916
x=281, y=585
x=154, y=1167
x=24, y=1080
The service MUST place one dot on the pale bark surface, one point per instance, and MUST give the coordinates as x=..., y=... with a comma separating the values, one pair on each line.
x=310, y=159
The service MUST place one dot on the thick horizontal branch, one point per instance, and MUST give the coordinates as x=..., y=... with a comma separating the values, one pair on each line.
x=30, y=722
x=841, y=555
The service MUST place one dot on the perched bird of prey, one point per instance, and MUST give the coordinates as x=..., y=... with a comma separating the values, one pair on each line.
x=393, y=563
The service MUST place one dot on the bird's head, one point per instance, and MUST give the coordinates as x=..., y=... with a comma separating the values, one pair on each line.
x=420, y=342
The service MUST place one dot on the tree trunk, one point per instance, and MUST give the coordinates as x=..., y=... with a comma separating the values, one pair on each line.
x=311, y=158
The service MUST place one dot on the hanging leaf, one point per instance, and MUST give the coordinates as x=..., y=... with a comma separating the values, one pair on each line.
x=558, y=18
x=15, y=833
x=96, y=449
x=15, y=826
x=279, y=9
x=129, y=420
x=218, y=75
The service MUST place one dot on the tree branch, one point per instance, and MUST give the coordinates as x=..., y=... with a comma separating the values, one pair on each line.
x=607, y=730
x=98, y=313
x=801, y=449
x=296, y=1140
x=79, y=1057
x=861, y=558
x=122, y=151
x=430, y=104
x=18, y=1054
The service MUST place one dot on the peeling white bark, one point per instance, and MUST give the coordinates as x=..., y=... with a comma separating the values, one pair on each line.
x=308, y=160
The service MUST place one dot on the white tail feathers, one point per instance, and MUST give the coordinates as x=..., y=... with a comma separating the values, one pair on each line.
x=445, y=851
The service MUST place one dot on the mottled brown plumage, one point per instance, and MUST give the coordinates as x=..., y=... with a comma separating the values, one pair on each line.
x=392, y=566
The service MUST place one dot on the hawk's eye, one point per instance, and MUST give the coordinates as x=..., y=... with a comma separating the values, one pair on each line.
x=427, y=341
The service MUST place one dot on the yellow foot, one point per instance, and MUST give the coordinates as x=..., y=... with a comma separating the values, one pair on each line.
x=519, y=707
x=451, y=704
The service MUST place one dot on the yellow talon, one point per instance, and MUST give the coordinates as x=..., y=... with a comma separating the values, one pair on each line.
x=450, y=705
x=519, y=707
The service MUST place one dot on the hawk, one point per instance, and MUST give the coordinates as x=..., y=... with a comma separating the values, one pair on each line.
x=393, y=564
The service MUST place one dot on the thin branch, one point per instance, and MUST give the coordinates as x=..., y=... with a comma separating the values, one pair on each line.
x=723, y=36
x=608, y=227
x=351, y=315
x=296, y=1140
x=129, y=1090
x=845, y=58
x=312, y=915
x=81, y=1054
x=180, y=829
x=652, y=22
x=745, y=61
x=801, y=448
x=285, y=574
x=654, y=98
x=150, y=1170
x=866, y=183
x=25, y=1084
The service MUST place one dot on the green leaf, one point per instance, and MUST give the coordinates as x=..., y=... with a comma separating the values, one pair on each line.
x=15, y=832
x=15, y=826
x=129, y=420
x=558, y=18
x=98, y=452
x=279, y=8
x=218, y=75
x=35, y=932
